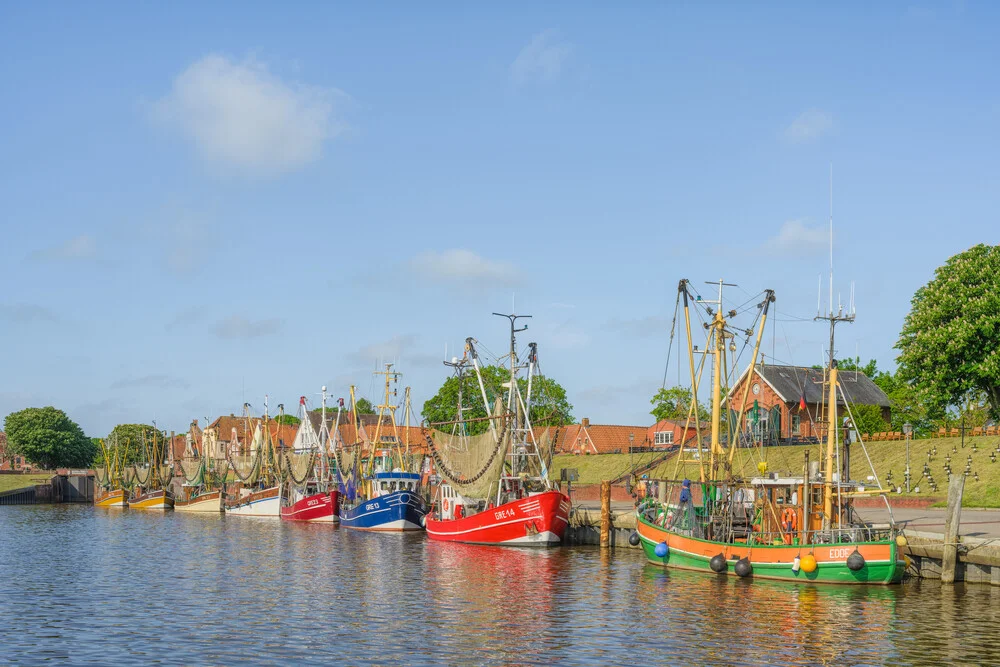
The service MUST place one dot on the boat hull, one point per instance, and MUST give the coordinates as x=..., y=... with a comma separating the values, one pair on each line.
x=393, y=512
x=264, y=503
x=538, y=520
x=112, y=498
x=883, y=562
x=208, y=503
x=154, y=500
x=317, y=508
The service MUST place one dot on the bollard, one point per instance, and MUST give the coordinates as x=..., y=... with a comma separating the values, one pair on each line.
x=951, y=524
x=605, y=514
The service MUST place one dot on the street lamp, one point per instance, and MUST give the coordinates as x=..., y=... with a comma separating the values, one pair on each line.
x=907, y=431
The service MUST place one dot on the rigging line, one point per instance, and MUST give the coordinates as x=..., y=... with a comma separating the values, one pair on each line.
x=673, y=326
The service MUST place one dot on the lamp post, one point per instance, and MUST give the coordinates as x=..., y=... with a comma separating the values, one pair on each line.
x=907, y=431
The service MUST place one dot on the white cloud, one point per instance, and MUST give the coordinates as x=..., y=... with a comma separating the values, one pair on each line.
x=237, y=326
x=795, y=235
x=541, y=60
x=80, y=247
x=464, y=268
x=241, y=115
x=809, y=125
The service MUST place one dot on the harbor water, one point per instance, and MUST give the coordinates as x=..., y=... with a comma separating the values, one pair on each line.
x=81, y=585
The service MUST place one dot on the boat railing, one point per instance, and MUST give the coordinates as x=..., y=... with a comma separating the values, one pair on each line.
x=853, y=534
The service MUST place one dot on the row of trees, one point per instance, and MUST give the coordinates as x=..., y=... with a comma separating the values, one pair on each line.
x=949, y=372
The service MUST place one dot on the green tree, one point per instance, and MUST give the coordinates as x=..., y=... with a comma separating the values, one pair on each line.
x=132, y=441
x=868, y=419
x=288, y=420
x=364, y=407
x=48, y=438
x=674, y=403
x=950, y=342
x=549, y=404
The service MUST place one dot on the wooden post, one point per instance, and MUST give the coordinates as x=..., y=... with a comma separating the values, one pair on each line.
x=661, y=492
x=951, y=524
x=605, y=514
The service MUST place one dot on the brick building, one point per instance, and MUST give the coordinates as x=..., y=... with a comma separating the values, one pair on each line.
x=790, y=401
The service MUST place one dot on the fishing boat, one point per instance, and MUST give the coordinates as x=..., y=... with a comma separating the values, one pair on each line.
x=153, y=475
x=790, y=527
x=306, y=493
x=384, y=491
x=258, y=490
x=110, y=484
x=202, y=488
x=495, y=487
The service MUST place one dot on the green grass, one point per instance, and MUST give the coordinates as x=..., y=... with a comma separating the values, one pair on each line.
x=885, y=456
x=11, y=482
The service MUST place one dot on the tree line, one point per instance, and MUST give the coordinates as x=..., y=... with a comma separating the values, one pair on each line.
x=948, y=373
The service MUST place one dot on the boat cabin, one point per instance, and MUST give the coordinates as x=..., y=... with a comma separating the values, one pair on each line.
x=788, y=510
x=384, y=483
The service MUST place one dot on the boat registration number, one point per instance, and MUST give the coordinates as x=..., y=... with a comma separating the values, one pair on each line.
x=371, y=506
x=840, y=553
x=504, y=514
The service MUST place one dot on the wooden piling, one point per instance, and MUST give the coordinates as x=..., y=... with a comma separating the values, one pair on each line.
x=951, y=526
x=605, y=514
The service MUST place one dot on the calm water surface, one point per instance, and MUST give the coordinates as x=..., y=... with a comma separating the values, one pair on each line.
x=90, y=586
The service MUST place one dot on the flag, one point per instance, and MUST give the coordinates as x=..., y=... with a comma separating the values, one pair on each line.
x=802, y=403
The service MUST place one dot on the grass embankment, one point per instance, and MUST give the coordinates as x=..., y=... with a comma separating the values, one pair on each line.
x=886, y=457
x=11, y=482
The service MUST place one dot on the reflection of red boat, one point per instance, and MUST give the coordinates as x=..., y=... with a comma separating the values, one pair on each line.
x=317, y=508
x=538, y=520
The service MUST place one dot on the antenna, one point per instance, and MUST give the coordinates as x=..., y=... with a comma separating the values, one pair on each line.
x=834, y=316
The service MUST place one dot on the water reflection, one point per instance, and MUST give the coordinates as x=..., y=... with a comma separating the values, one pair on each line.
x=96, y=587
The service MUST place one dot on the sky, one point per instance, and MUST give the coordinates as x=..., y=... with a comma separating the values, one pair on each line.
x=201, y=204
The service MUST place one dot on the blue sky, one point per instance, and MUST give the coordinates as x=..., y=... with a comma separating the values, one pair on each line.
x=201, y=203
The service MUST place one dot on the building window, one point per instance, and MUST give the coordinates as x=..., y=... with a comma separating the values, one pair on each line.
x=796, y=424
x=664, y=438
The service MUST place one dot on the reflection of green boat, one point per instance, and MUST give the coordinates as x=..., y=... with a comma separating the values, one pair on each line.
x=791, y=528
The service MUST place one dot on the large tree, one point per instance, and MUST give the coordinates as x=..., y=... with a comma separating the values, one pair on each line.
x=674, y=403
x=950, y=342
x=48, y=438
x=549, y=405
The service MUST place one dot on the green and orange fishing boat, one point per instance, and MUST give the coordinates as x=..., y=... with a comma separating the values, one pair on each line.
x=800, y=528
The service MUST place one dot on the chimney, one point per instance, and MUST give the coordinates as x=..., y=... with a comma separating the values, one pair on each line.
x=585, y=422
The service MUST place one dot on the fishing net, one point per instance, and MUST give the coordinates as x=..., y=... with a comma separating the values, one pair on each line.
x=470, y=463
x=101, y=475
x=299, y=466
x=683, y=520
x=193, y=471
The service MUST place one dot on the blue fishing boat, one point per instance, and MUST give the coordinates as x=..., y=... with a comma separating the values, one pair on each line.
x=395, y=504
x=379, y=490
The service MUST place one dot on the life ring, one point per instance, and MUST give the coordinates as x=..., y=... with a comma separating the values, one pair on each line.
x=789, y=520
x=445, y=505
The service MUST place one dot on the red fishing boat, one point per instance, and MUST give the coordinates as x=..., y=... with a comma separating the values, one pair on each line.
x=306, y=494
x=317, y=508
x=540, y=519
x=496, y=488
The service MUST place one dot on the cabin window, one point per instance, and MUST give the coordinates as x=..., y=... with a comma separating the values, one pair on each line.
x=664, y=438
x=796, y=424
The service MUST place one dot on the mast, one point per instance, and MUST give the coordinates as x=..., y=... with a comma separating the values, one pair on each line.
x=831, y=446
x=718, y=330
